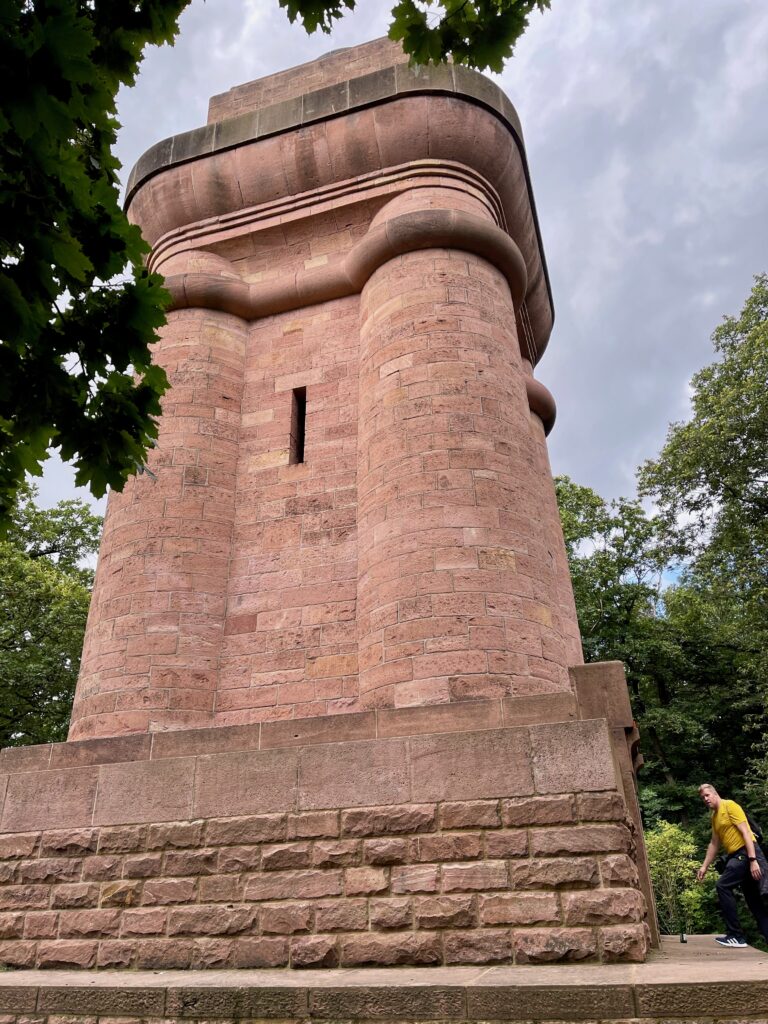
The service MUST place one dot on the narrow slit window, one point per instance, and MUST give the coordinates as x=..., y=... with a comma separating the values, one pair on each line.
x=298, y=424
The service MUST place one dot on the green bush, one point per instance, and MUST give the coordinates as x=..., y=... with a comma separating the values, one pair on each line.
x=682, y=903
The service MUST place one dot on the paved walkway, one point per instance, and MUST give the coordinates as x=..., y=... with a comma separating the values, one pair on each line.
x=683, y=981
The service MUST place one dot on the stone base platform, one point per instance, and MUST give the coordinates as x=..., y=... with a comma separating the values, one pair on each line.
x=492, y=832
x=697, y=983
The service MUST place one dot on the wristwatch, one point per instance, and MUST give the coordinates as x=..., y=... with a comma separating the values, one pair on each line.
x=751, y=858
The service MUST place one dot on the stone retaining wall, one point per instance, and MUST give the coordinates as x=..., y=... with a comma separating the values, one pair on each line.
x=527, y=880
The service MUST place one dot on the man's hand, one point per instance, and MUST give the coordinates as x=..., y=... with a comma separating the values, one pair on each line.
x=701, y=873
x=754, y=870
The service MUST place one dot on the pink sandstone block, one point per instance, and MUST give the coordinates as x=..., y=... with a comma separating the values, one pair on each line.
x=183, y=743
x=471, y=766
x=572, y=756
x=49, y=798
x=465, y=717
x=251, y=782
x=333, y=729
x=99, y=751
x=354, y=775
x=146, y=791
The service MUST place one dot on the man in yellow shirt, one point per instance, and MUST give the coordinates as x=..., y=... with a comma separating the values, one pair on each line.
x=730, y=829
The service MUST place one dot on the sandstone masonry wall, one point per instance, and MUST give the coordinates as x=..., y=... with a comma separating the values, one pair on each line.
x=499, y=881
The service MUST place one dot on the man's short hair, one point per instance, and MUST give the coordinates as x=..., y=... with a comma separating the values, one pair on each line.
x=707, y=785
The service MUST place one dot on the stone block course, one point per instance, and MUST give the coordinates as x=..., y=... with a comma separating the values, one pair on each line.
x=395, y=885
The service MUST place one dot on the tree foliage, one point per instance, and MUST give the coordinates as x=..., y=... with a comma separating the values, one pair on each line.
x=680, y=596
x=682, y=904
x=690, y=672
x=480, y=33
x=78, y=310
x=44, y=597
x=710, y=482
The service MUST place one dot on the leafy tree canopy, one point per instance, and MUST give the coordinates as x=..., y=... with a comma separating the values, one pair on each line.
x=78, y=310
x=480, y=33
x=681, y=597
x=44, y=597
x=711, y=476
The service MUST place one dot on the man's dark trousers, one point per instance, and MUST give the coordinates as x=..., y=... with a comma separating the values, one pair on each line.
x=737, y=875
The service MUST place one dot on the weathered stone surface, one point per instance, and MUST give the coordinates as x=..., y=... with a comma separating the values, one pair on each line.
x=262, y=952
x=285, y=885
x=553, y=945
x=383, y=821
x=291, y=855
x=445, y=912
x=168, y=891
x=554, y=873
x=89, y=923
x=79, y=894
x=584, y=1002
x=617, y=869
x=336, y=853
x=507, y=844
x=211, y=921
x=572, y=757
x=470, y=814
x=481, y=947
x=601, y=807
x=261, y=828
x=365, y=881
x=453, y=846
x=391, y=913
x=144, y=922
x=387, y=950
x=120, y=894
x=603, y=906
x=415, y=878
x=287, y=918
x=623, y=943
x=313, y=825
x=66, y=954
x=519, y=909
x=17, y=954
x=314, y=951
x=342, y=915
x=386, y=851
x=541, y=810
x=68, y=842
x=489, y=874
x=580, y=839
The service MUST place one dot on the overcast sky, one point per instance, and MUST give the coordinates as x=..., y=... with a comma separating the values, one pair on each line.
x=646, y=126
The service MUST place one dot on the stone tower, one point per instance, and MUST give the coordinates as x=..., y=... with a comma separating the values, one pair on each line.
x=332, y=707
x=353, y=254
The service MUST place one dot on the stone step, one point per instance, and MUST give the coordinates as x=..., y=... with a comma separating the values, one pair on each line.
x=693, y=983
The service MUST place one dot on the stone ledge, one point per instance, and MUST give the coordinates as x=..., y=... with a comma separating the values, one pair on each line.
x=384, y=723
x=344, y=98
x=504, y=762
x=690, y=983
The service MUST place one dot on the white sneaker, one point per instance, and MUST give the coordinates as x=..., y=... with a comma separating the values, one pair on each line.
x=734, y=941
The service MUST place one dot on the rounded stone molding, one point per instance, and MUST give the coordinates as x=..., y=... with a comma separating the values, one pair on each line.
x=408, y=232
x=541, y=402
x=270, y=155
